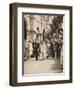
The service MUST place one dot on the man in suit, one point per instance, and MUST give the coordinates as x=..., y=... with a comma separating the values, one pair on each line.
x=36, y=47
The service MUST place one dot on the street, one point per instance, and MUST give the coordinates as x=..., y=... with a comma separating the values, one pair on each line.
x=42, y=66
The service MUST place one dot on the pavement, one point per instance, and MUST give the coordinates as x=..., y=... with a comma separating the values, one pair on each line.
x=42, y=66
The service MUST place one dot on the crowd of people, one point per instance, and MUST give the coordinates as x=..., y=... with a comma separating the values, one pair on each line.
x=43, y=50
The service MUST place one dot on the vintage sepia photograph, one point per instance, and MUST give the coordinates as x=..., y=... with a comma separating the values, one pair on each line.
x=43, y=43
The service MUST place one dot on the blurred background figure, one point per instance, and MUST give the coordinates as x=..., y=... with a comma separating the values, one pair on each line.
x=30, y=49
x=61, y=60
x=48, y=49
x=26, y=50
x=44, y=50
x=51, y=48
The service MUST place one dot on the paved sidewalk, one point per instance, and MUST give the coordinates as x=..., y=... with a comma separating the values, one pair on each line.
x=42, y=66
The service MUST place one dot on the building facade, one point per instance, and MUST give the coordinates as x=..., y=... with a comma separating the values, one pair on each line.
x=37, y=26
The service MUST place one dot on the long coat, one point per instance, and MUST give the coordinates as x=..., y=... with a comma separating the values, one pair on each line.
x=36, y=48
